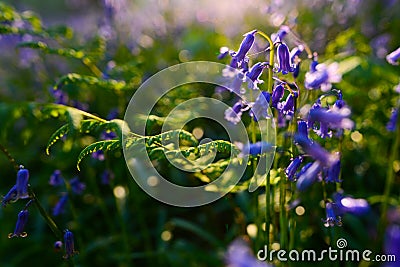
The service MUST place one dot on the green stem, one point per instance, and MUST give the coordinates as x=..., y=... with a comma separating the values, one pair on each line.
x=92, y=67
x=271, y=59
x=10, y=158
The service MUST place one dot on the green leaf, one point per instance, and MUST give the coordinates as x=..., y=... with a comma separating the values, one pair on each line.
x=57, y=135
x=75, y=78
x=106, y=145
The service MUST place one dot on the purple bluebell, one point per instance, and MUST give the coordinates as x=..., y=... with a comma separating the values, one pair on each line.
x=284, y=63
x=223, y=52
x=277, y=95
x=294, y=165
x=112, y=114
x=260, y=106
x=107, y=176
x=295, y=53
x=288, y=106
x=393, y=57
x=333, y=172
x=60, y=97
x=302, y=128
x=20, y=225
x=77, y=186
x=108, y=135
x=321, y=76
x=10, y=197
x=332, y=218
x=308, y=175
x=280, y=35
x=58, y=246
x=69, y=244
x=391, y=244
x=315, y=150
x=254, y=149
x=348, y=204
x=22, y=183
x=245, y=46
x=281, y=120
x=59, y=208
x=333, y=118
x=256, y=71
x=391, y=125
x=296, y=70
x=56, y=179
x=239, y=254
x=234, y=114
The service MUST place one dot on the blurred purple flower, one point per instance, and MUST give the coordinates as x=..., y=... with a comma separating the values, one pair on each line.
x=260, y=106
x=333, y=172
x=294, y=165
x=223, y=52
x=332, y=218
x=333, y=118
x=391, y=244
x=107, y=176
x=302, y=128
x=20, y=225
x=347, y=204
x=77, y=186
x=57, y=246
x=239, y=254
x=393, y=57
x=234, y=114
x=253, y=149
x=99, y=155
x=284, y=59
x=391, y=125
x=56, y=179
x=59, y=208
x=308, y=175
x=322, y=76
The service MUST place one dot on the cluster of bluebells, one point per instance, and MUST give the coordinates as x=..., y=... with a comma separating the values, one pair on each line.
x=393, y=58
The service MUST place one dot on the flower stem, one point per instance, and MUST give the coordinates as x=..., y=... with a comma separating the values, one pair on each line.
x=10, y=158
x=271, y=60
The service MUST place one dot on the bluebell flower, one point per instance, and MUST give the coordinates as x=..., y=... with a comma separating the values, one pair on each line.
x=60, y=97
x=223, y=52
x=280, y=35
x=106, y=176
x=255, y=149
x=260, y=107
x=255, y=72
x=10, y=197
x=322, y=76
x=284, y=59
x=277, y=95
x=69, y=245
x=308, y=175
x=333, y=172
x=391, y=125
x=302, y=128
x=20, y=225
x=347, y=204
x=112, y=114
x=57, y=246
x=393, y=57
x=22, y=183
x=296, y=70
x=59, y=208
x=239, y=57
x=77, y=186
x=295, y=53
x=391, y=244
x=289, y=105
x=56, y=179
x=294, y=165
x=234, y=114
x=108, y=135
x=239, y=254
x=315, y=150
x=281, y=120
x=332, y=218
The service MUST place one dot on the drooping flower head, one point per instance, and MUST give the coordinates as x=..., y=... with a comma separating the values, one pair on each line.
x=234, y=114
x=10, y=197
x=22, y=183
x=254, y=149
x=333, y=172
x=284, y=59
x=69, y=244
x=59, y=208
x=77, y=186
x=332, y=218
x=348, y=204
x=255, y=73
x=20, y=225
x=56, y=178
x=277, y=95
x=294, y=165
x=238, y=58
x=308, y=175
x=321, y=76
x=393, y=57
x=391, y=125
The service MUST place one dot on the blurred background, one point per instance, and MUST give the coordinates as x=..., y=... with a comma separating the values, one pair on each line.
x=114, y=221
